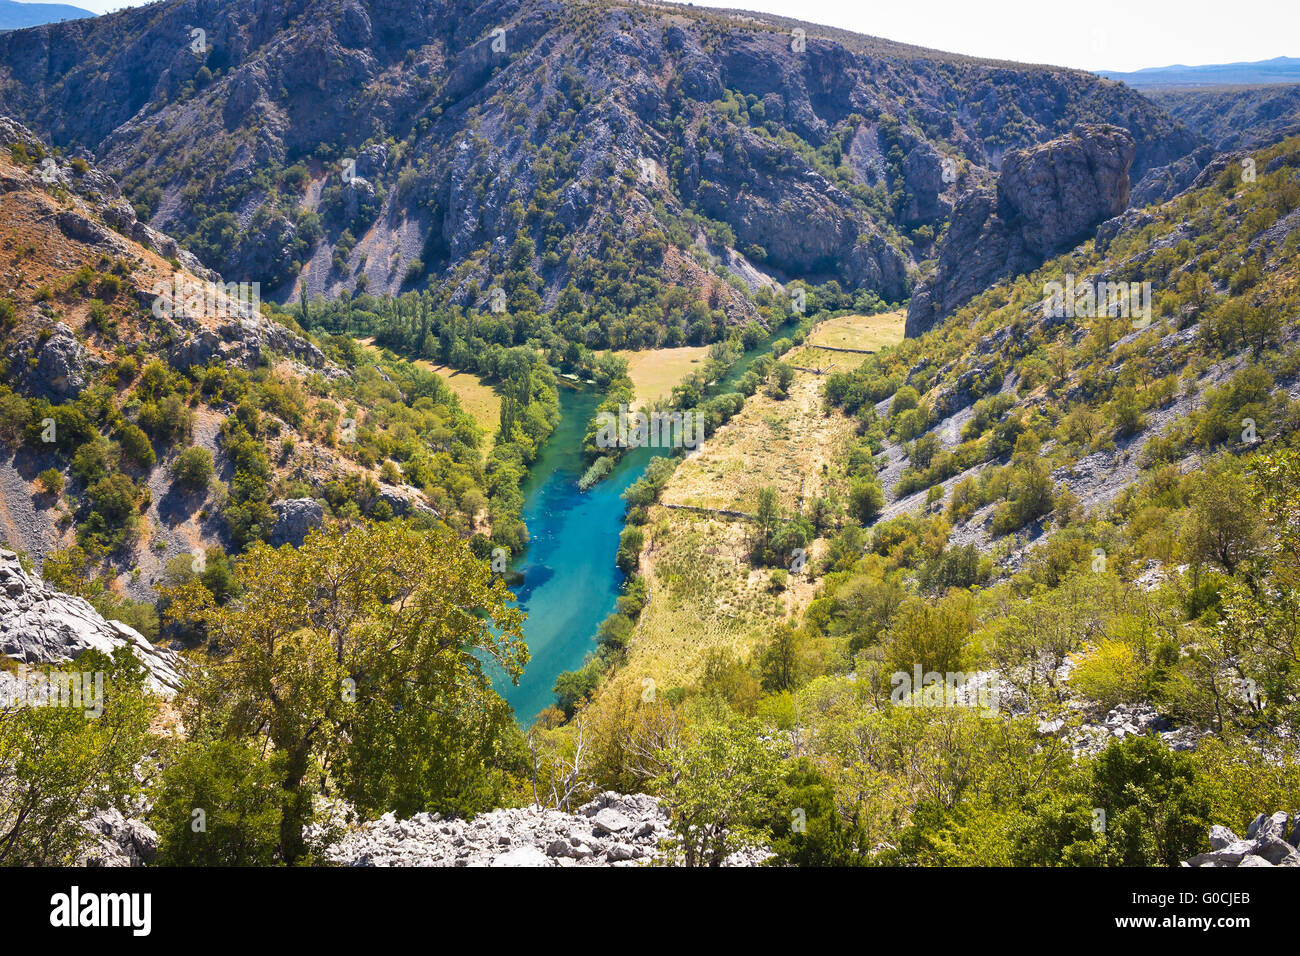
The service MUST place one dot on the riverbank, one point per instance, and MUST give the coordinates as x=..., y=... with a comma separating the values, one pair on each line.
x=569, y=580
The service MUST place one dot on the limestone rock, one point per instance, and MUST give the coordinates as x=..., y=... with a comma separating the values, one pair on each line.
x=50, y=363
x=120, y=841
x=39, y=625
x=294, y=519
x=613, y=829
x=1221, y=837
x=1046, y=200
x=1266, y=844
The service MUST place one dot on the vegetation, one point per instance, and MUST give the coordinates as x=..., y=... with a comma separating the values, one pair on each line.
x=350, y=660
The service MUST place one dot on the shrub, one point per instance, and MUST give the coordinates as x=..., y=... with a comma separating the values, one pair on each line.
x=51, y=481
x=135, y=443
x=218, y=804
x=1109, y=674
x=865, y=499
x=193, y=468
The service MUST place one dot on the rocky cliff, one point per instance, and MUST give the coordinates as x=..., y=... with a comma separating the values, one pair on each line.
x=763, y=149
x=1046, y=200
x=39, y=625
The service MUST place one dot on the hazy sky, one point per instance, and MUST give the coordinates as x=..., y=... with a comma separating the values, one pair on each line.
x=1091, y=34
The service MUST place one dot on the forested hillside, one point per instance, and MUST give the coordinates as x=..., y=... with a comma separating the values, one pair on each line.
x=634, y=166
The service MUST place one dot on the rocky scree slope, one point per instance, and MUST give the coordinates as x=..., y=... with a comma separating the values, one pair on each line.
x=583, y=126
x=612, y=830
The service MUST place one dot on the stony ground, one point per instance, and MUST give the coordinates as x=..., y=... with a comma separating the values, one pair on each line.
x=1266, y=844
x=612, y=830
x=39, y=625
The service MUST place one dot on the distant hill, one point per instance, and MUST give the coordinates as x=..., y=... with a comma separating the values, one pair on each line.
x=16, y=16
x=1282, y=69
x=1232, y=117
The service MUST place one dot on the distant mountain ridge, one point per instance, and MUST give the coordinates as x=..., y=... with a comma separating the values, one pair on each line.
x=19, y=16
x=1281, y=69
x=1234, y=117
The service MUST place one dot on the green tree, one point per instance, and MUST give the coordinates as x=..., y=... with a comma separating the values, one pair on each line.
x=342, y=652
x=58, y=765
x=865, y=499
x=1224, y=527
x=51, y=481
x=217, y=803
x=719, y=791
x=193, y=468
x=1137, y=804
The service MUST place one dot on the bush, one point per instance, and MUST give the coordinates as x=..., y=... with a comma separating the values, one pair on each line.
x=218, y=804
x=51, y=481
x=193, y=468
x=865, y=499
x=1109, y=674
x=629, y=548
x=1156, y=812
x=135, y=443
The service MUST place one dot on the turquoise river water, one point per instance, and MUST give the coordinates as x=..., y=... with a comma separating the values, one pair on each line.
x=570, y=582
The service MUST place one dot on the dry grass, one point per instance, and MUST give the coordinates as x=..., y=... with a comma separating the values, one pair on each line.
x=478, y=399
x=654, y=372
x=789, y=444
x=704, y=596
x=871, y=332
x=704, y=593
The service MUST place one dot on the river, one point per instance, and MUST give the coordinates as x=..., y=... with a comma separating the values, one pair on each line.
x=570, y=582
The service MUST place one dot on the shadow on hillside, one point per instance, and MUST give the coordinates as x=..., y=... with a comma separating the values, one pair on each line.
x=178, y=505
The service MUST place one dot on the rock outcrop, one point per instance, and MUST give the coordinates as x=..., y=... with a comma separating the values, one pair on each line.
x=294, y=519
x=1267, y=843
x=50, y=363
x=118, y=841
x=1046, y=200
x=1133, y=720
x=39, y=625
x=611, y=830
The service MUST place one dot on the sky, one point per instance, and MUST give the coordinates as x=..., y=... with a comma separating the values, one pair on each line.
x=1118, y=35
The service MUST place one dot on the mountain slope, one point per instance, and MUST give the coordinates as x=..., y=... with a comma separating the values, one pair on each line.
x=702, y=145
x=19, y=16
x=1235, y=117
x=153, y=417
